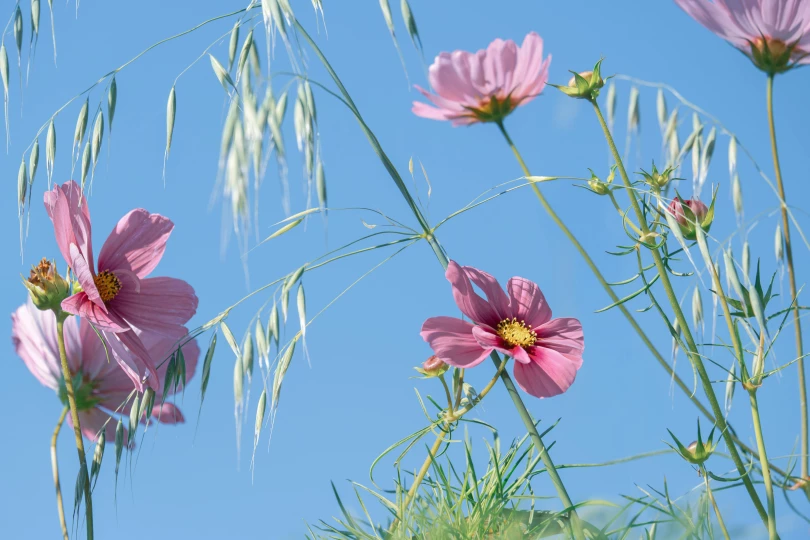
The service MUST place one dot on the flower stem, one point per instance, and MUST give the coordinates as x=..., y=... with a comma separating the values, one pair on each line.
x=74, y=415
x=692, y=351
x=766, y=473
x=709, y=493
x=55, y=466
x=792, y=278
x=738, y=352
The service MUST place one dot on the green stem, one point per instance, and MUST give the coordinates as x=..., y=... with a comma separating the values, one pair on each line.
x=692, y=351
x=766, y=473
x=792, y=278
x=60, y=507
x=738, y=352
x=74, y=415
x=709, y=493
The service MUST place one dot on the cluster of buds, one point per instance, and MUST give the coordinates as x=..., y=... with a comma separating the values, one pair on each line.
x=658, y=180
x=773, y=55
x=698, y=452
x=596, y=185
x=691, y=214
x=584, y=85
x=46, y=287
x=433, y=367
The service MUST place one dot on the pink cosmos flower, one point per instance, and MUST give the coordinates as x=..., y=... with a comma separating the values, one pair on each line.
x=485, y=86
x=119, y=299
x=547, y=352
x=696, y=214
x=100, y=386
x=775, y=34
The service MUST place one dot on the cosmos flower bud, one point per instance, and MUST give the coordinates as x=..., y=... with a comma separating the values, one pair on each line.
x=690, y=214
x=46, y=287
x=698, y=452
x=433, y=367
x=656, y=179
x=584, y=85
x=596, y=185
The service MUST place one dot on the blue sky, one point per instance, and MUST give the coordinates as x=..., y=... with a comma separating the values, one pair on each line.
x=357, y=397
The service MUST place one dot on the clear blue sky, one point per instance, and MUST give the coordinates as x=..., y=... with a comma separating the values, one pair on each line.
x=357, y=397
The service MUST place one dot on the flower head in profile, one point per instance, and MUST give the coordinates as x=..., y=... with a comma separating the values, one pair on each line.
x=118, y=298
x=100, y=386
x=487, y=85
x=518, y=323
x=775, y=34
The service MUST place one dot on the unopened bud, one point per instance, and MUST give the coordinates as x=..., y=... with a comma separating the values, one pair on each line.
x=601, y=188
x=691, y=214
x=433, y=367
x=46, y=287
x=584, y=85
x=656, y=179
x=697, y=452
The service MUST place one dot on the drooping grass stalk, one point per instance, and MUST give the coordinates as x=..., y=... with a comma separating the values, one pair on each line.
x=74, y=416
x=717, y=513
x=738, y=352
x=55, y=467
x=692, y=350
x=805, y=438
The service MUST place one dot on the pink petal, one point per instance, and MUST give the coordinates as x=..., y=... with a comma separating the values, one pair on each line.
x=450, y=77
x=67, y=208
x=136, y=243
x=167, y=413
x=488, y=339
x=562, y=335
x=527, y=302
x=491, y=289
x=128, y=350
x=549, y=374
x=33, y=334
x=84, y=275
x=453, y=342
x=161, y=303
x=430, y=112
x=79, y=304
x=499, y=66
x=467, y=300
x=92, y=421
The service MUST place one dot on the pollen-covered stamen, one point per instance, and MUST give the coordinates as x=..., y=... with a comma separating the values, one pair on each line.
x=516, y=333
x=108, y=285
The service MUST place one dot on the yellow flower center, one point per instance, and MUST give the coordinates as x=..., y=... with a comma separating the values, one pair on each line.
x=108, y=285
x=516, y=333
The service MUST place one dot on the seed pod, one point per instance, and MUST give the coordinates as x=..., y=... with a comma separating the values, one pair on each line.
x=98, y=455
x=50, y=150
x=81, y=123
x=34, y=19
x=633, y=112
x=281, y=108
x=731, y=383
x=18, y=32
x=731, y=274
x=244, y=53
x=281, y=370
x=4, y=68
x=112, y=100
x=119, y=444
x=171, y=109
x=260, y=410
x=147, y=403
x=302, y=310
x=33, y=162
x=247, y=356
x=229, y=337
x=206, y=371
x=133, y=415
x=661, y=109
x=320, y=185
x=285, y=301
x=779, y=244
x=22, y=187
x=233, y=44
x=238, y=379
x=262, y=345
x=732, y=156
x=410, y=24
x=273, y=326
x=85, y=163
x=221, y=74
x=736, y=194
x=697, y=308
x=611, y=104
x=98, y=136
x=746, y=259
x=387, y=15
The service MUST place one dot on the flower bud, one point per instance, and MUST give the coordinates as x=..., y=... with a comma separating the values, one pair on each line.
x=584, y=85
x=698, y=452
x=433, y=367
x=601, y=188
x=691, y=214
x=46, y=287
x=658, y=180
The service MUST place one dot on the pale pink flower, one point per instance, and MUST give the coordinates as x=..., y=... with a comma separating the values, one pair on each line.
x=100, y=386
x=547, y=352
x=775, y=34
x=119, y=298
x=487, y=85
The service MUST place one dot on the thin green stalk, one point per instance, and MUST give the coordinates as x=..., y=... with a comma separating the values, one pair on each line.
x=709, y=493
x=766, y=473
x=738, y=352
x=692, y=349
x=74, y=415
x=792, y=279
x=60, y=508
